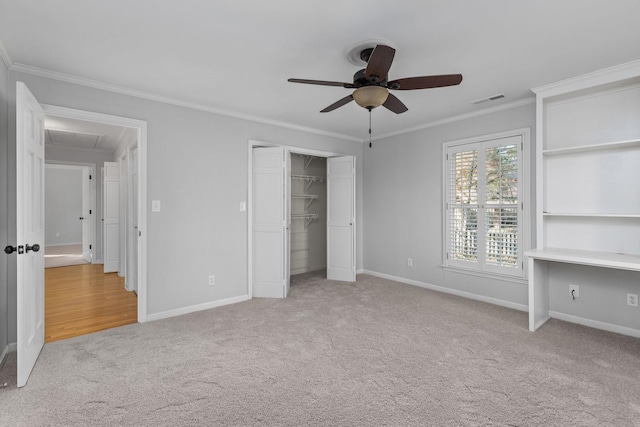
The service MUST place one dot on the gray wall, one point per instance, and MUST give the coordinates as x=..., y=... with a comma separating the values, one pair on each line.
x=62, y=206
x=96, y=158
x=403, y=204
x=4, y=94
x=197, y=167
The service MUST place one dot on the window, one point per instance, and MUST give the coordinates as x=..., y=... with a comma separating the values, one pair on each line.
x=484, y=203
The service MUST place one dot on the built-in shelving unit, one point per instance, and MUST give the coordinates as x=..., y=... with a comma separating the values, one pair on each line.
x=587, y=177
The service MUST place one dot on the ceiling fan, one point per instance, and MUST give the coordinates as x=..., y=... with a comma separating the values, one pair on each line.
x=372, y=84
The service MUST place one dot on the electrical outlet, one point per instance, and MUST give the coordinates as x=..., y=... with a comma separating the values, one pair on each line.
x=632, y=300
x=212, y=280
x=410, y=262
x=574, y=291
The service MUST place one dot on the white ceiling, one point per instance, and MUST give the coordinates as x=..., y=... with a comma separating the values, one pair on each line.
x=81, y=134
x=235, y=56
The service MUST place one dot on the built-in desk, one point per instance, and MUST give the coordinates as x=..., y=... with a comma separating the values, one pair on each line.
x=538, y=280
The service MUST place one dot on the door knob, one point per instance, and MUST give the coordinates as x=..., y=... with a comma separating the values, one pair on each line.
x=81, y=217
x=10, y=249
x=34, y=248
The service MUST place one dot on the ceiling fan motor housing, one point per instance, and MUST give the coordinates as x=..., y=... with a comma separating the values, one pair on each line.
x=360, y=79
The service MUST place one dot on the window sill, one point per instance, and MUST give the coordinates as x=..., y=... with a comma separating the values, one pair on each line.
x=484, y=274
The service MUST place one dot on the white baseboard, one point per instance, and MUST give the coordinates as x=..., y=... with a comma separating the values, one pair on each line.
x=490, y=300
x=62, y=244
x=360, y=271
x=595, y=324
x=194, y=308
x=9, y=348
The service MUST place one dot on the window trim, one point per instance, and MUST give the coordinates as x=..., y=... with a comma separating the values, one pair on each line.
x=525, y=225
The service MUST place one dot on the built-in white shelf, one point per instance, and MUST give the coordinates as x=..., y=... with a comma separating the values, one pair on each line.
x=587, y=180
x=592, y=215
x=593, y=147
x=592, y=258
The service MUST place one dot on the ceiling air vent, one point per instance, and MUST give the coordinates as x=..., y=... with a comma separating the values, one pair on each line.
x=488, y=98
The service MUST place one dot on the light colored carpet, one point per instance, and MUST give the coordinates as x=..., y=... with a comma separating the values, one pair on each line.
x=62, y=256
x=371, y=353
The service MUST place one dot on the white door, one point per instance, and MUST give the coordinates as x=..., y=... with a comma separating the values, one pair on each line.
x=341, y=219
x=87, y=216
x=270, y=222
x=30, y=230
x=132, y=233
x=111, y=216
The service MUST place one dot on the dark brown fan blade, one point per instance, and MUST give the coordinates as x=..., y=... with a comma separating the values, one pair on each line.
x=425, y=82
x=379, y=63
x=394, y=104
x=322, y=82
x=347, y=99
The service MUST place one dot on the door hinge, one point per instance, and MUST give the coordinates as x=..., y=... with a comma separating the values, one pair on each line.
x=89, y=211
x=90, y=246
x=521, y=205
x=447, y=255
x=90, y=178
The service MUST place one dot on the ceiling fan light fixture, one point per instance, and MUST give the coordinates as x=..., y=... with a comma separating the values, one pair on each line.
x=370, y=96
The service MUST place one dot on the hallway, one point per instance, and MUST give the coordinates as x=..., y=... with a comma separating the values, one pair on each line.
x=81, y=299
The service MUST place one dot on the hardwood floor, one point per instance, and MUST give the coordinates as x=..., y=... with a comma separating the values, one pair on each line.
x=81, y=299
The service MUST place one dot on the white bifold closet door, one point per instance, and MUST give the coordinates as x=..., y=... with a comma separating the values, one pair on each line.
x=271, y=222
x=341, y=219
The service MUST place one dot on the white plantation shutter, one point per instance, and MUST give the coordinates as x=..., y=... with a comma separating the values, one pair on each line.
x=483, y=205
x=463, y=205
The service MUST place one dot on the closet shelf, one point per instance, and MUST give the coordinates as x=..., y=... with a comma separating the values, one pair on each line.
x=310, y=179
x=305, y=217
x=308, y=159
x=593, y=147
x=308, y=197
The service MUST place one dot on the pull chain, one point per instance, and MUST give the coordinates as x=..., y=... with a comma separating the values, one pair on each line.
x=369, y=127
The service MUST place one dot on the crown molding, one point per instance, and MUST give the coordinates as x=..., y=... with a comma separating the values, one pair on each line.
x=4, y=54
x=624, y=71
x=465, y=116
x=67, y=78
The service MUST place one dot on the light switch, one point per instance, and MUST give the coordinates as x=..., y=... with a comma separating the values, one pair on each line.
x=155, y=206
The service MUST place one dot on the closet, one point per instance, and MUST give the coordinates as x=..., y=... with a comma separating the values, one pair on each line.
x=308, y=232
x=302, y=217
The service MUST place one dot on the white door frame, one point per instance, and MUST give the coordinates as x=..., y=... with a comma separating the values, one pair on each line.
x=310, y=152
x=141, y=127
x=62, y=164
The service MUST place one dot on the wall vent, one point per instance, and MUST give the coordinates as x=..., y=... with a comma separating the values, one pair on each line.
x=488, y=98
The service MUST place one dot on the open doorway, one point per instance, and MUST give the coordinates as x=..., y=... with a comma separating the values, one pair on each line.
x=69, y=211
x=86, y=298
